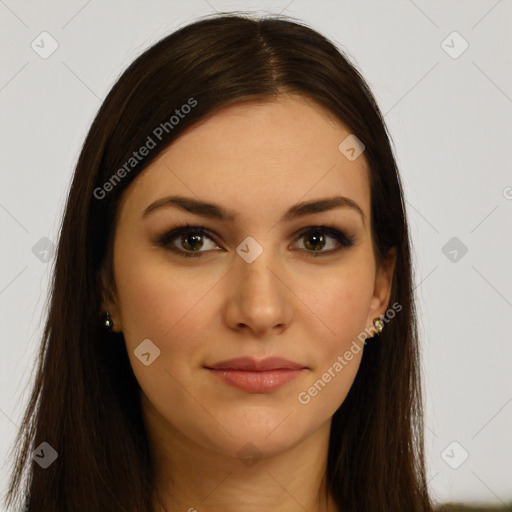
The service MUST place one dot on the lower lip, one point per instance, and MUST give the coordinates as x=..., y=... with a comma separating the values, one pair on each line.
x=257, y=382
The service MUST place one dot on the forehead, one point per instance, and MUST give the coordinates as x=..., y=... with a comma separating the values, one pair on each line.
x=257, y=158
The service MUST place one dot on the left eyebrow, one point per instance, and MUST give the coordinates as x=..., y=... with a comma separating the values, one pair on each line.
x=215, y=211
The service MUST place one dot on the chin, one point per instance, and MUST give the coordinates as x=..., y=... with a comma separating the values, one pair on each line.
x=251, y=445
x=263, y=430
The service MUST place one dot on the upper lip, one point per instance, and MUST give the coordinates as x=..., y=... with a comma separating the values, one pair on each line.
x=251, y=364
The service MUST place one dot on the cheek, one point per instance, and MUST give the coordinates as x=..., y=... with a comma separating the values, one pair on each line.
x=169, y=307
x=142, y=296
x=342, y=305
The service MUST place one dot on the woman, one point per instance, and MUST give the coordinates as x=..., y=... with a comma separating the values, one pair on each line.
x=232, y=325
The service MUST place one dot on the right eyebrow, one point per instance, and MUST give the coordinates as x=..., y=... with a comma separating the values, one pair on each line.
x=215, y=211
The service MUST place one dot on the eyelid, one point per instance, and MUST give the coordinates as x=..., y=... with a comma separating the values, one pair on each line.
x=172, y=234
x=344, y=241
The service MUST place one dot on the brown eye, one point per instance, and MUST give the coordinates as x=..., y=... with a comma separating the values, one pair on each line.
x=316, y=239
x=186, y=241
x=191, y=242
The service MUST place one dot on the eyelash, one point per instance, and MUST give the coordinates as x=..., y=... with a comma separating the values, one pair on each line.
x=165, y=240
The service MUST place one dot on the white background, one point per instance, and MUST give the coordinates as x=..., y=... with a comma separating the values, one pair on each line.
x=450, y=119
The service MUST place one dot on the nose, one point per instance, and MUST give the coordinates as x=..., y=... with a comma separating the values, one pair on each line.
x=259, y=298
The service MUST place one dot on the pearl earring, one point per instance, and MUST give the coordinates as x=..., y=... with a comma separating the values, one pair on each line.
x=377, y=322
x=108, y=323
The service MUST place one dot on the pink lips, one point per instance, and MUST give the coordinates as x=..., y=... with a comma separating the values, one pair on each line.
x=257, y=376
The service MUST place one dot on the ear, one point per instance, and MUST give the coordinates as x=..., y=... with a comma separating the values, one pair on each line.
x=110, y=302
x=382, y=288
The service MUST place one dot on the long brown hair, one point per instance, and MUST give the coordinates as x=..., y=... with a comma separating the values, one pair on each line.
x=85, y=399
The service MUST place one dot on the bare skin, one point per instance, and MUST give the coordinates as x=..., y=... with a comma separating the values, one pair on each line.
x=256, y=160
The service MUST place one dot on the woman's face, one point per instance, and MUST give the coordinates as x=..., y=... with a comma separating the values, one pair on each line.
x=253, y=287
